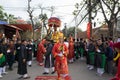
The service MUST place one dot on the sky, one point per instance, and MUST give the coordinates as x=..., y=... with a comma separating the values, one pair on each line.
x=63, y=9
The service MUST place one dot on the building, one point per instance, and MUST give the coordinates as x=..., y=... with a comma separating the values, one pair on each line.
x=8, y=30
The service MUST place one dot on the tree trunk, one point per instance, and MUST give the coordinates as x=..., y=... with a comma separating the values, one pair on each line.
x=110, y=29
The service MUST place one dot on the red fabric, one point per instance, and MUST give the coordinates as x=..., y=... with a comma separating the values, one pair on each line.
x=88, y=30
x=46, y=78
x=118, y=70
x=71, y=50
x=117, y=77
x=41, y=50
x=61, y=65
x=116, y=45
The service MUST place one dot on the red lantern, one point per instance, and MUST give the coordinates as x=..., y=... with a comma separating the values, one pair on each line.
x=54, y=22
x=88, y=30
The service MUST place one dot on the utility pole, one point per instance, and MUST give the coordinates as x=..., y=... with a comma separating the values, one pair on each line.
x=75, y=29
x=65, y=29
x=90, y=16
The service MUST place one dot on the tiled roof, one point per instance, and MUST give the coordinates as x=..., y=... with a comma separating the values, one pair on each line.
x=24, y=27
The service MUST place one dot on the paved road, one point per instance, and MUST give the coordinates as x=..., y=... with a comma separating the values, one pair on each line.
x=78, y=71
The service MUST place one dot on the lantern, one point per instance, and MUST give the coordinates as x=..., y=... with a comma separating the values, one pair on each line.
x=88, y=30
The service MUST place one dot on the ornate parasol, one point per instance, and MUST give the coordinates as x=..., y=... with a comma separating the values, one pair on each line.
x=54, y=22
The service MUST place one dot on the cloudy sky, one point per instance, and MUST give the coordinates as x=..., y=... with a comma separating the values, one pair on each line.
x=63, y=9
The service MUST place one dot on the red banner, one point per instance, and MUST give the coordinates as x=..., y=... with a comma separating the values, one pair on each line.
x=88, y=30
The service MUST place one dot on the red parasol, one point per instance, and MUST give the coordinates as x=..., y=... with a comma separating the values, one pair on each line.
x=55, y=22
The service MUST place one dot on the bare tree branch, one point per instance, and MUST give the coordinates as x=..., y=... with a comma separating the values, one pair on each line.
x=107, y=5
x=117, y=11
x=103, y=12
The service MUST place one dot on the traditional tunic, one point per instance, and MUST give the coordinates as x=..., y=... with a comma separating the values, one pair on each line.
x=81, y=48
x=41, y=50
x=22, y=66
x=49, y=60
x=118, y=69
x=61, y=65
x=117, y=45
x=29, y=52
x=11, y=55
x=17, y=47
x=91, y=53
x=71, y=49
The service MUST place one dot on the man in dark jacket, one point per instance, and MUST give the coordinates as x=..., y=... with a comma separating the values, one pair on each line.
x=29, y=53
x=49, y=60
x=22, y=57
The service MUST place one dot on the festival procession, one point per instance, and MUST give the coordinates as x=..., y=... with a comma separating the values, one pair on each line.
x=81, y=42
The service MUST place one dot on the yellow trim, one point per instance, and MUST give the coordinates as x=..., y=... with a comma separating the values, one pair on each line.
x=118, y=55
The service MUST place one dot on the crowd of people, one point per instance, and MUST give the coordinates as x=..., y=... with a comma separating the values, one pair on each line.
x=19, y=51
x=99, y=54
x=55, y=57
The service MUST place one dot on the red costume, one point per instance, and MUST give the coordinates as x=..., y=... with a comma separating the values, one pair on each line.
x=71, y=50
x=41, y=50
x=117, y=46
x=61, y=65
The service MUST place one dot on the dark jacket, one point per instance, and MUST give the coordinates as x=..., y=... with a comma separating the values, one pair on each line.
x=109, y=53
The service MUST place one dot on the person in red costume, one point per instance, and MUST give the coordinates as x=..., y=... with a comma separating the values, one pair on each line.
x=117, y=47
x=40, y=52
x=60, y=52
x=71, y=49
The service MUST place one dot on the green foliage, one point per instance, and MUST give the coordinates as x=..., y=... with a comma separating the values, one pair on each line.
x=43, y=17
x=6, y=17
x=71, y=30
x=1, y=13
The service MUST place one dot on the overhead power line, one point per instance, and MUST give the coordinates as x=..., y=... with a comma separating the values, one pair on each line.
x=35, y=7
x=78, y=13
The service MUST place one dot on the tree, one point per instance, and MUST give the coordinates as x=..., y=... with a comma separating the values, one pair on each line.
x=9, y=18
x=71, y=30
x=1, y=13
x=43, y=18
x=111, y=13
x=109, y=8
x=30, y=11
